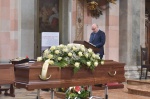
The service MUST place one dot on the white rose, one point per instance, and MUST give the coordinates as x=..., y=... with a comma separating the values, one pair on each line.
x=61, y=45
x=51, y=62
x=102, y=62
x=80, y=54
x=74, y=48
x=97, y=56
x=69, y=45
x=77, y=64
x=93, y=55
x=65, y=50
x=69, y=54
x=95, y=64
x=90, y=50
x=57, y=52
x=39, y=59
x=82, y=48
x=50, y=56
x=59, y=58
x=53, y=48
x=46, y=51
x=88, y=63
x=86, y=55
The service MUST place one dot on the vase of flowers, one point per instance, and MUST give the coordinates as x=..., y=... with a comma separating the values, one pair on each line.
x=76, y=92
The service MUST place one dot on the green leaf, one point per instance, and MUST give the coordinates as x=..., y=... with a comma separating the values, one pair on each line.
x=76, y=69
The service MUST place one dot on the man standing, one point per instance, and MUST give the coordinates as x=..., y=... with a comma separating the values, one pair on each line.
x=97, y=38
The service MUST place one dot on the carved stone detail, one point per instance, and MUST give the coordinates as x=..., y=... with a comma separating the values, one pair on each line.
x=80, y=20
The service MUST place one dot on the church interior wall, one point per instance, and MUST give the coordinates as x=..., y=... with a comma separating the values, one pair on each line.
x=108, y=22
x=8, y=30
x=112, y=34
x=18, y=28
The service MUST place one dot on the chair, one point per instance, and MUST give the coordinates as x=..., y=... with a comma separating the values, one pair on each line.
x=144, y=61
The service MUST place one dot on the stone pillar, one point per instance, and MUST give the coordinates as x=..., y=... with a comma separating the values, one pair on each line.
x=26, y=27
x=131, y=28
x=112, y=32
x=8, y=30
x=79, y=20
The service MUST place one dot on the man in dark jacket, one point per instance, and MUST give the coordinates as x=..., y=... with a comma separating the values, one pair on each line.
x=97, y=38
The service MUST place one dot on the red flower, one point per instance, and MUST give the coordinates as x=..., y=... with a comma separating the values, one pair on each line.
x=27, y=57
x=85, y=87
x=77, y=88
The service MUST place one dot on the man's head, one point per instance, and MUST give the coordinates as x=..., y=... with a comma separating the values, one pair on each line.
x=94, y=28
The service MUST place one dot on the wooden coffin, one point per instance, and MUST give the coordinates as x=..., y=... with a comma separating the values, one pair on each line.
x=27, y=75
x=7, y=77
x=7, y=74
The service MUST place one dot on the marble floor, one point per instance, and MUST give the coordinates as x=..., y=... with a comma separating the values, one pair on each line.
x=21, y=94
x=112, y=94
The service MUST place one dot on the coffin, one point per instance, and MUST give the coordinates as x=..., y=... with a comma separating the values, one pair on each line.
x=7, y=74
x=7, y=77
x=27, y=75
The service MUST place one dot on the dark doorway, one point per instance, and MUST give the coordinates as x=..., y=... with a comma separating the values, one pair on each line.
x=147, y=26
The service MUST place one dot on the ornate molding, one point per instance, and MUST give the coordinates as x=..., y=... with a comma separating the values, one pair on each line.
x=94, y=6
x=79, y=20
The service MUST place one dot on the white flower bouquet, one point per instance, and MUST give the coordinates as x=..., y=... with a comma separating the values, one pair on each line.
x=75, y=55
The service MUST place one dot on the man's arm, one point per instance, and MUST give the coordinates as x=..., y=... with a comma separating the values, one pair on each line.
x=91, y=38
x=103, y=38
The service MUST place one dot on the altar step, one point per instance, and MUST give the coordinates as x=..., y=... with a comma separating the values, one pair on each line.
x=139, y=87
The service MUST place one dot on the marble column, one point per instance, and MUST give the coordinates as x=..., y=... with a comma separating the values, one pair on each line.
x=26, y=25
x=64, y=20
x=79, y=20
x=132, y=16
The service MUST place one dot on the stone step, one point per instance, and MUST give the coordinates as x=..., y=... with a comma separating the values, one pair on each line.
x=143, y=90
x=138, y=82
x=139, y=87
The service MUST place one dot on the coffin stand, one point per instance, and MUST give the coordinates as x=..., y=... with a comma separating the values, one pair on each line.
x=27, y=75
x=7, y=77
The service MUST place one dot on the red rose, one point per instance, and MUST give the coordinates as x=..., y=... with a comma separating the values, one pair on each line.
x=77, y=88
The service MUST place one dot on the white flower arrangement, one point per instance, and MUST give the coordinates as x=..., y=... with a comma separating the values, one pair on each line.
x=75, y=55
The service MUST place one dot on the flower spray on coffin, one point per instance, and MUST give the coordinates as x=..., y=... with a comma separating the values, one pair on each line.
x=75, y=55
